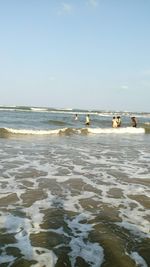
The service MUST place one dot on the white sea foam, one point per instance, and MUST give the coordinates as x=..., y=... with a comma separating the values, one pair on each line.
x=7, y=109
x=39, y=109
x=100, y=168
x=22, y=227
x=44, y=257
x=6, y=259
x=130, y=130
x=90, y=252
x=137, y=230
x=138, y=259
x=33, y=132
x=73, y=202
x=34, y=212
x=127, y=130
x=80, y=246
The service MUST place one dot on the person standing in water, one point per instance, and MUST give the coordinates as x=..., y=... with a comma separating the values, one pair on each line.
x=87, y=119
x=118, y=121
x=133, y=121
x=114, y=122
x=76, y=117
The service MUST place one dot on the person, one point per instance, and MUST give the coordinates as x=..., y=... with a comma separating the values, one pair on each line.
x=118, y=121
x=76, y=117
x=133, y=121
x=87, y=119
x=114, y=122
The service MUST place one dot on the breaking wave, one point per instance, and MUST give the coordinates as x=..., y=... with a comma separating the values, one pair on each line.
x=129, y=130
x=4, y=132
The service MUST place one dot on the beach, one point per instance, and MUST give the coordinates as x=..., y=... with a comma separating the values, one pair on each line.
x=73, y=195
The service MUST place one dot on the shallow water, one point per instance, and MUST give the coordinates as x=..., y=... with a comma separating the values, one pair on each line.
x=75, y=200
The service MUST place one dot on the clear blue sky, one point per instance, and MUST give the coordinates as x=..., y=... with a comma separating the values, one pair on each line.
x=92, y=54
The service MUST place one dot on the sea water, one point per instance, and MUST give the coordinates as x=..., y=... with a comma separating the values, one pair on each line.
x=72, y=195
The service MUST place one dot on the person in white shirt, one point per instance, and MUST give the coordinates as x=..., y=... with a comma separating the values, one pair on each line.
x=87, y=119
x=76, y=117
x=114, y=122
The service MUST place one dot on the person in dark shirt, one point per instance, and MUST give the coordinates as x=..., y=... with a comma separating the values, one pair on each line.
x=133, y=121
x=118, y=121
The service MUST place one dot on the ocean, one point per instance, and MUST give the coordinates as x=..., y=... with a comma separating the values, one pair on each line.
x=73, y=195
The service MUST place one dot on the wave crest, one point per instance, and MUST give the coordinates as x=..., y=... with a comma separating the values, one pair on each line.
x=5, y=132
x=124, y=130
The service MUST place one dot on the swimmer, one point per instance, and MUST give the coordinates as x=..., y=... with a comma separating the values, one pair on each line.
x=118, y=121
x=114, y=122
x=87, y=120
x=76, y=117
x=134, y=121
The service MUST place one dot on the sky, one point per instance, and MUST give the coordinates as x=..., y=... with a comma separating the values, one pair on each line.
x=87, y=54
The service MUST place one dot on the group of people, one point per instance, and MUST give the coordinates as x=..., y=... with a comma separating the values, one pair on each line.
x=116, y=121
x=87, y=119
